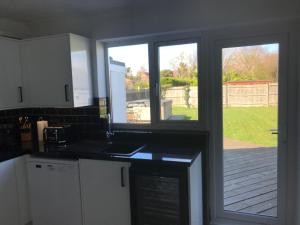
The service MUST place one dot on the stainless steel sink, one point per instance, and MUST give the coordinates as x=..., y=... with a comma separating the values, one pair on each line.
x=123, y=149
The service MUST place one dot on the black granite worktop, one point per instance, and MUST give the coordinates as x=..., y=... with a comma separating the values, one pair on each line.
x=7, y=155
x=172, y=148
x=149, y=154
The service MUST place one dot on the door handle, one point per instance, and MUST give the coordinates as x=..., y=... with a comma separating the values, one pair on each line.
x=123, y=176
x=20, y=94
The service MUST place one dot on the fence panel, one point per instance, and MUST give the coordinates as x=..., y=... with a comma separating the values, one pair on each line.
x=241, y=95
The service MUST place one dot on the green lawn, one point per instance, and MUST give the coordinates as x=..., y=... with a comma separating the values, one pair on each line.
x=190, y=114
x=244, y=124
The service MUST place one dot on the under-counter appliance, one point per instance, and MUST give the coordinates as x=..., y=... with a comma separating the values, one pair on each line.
x=167, y=195
x=54, y=191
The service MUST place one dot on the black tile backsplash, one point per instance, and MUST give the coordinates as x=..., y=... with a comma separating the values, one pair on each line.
x=85, y=121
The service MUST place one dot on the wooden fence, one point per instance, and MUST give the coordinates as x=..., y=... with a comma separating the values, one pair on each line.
x=242, y=95
x=250, y=95
x=134, y=95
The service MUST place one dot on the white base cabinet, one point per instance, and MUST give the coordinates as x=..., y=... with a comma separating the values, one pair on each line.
x=105, y=192
x=14, y=205
x=8, y=194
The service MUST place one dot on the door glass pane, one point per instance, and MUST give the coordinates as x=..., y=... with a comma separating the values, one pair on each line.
x=250, y=109
x=129, y=83
x=178, y=69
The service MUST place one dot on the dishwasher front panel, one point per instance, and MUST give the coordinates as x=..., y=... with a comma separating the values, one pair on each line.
x=54, y=193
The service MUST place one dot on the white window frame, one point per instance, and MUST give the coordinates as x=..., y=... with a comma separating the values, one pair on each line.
x=153, y=43
x=218, y=215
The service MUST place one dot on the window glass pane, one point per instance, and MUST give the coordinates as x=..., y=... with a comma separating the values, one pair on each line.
x=129, y=83
x=178, y=66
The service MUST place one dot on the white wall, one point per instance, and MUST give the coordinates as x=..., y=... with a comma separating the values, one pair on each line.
x=298, y=132
x=13, y=28
x=76, y=25
x=99, y=69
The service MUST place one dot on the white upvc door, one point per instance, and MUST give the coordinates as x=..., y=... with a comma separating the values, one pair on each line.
x=275, y=164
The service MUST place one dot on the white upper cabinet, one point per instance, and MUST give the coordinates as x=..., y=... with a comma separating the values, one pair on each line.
x=11, y=86
x=57, y=71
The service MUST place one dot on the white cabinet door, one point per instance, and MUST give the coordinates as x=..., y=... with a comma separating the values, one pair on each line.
x=10, y=75
x=22, y=188
x=8, y=194
x=46, y=66
x=105, y=192
x=57, y=71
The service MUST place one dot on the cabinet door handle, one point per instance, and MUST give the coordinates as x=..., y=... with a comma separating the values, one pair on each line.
x=67, y=93
x=20, y=94
x=122, y=176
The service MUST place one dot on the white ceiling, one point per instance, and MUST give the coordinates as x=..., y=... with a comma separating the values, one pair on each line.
x=31, y=10
x=37, y=10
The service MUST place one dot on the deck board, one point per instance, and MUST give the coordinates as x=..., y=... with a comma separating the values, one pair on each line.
x=246, y=188
x=250, y=181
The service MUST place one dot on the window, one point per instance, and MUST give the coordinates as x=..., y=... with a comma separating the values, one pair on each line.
x=178, y=77
x=170, y=68
x=129, y=84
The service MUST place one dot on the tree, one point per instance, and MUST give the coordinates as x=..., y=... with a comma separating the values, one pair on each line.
x=166, y=73
x=250, y=63
x=137, y=81
x=185, y=66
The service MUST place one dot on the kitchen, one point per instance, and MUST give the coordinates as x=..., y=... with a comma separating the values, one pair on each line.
x=99, y=124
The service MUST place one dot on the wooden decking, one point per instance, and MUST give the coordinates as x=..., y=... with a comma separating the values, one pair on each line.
x=250, y=181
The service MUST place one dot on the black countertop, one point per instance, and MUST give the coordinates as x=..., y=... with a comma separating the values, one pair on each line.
x=172, y=148
x=7, y=155
x=150, y=153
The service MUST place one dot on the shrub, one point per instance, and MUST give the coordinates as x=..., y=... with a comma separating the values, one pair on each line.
x=177, y=82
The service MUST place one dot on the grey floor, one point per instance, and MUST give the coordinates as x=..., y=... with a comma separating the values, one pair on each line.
x=250, y=181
